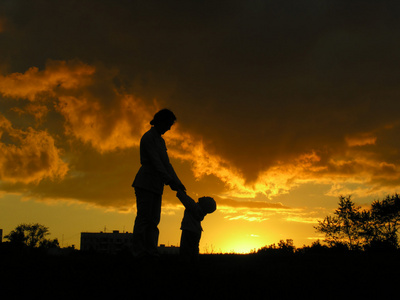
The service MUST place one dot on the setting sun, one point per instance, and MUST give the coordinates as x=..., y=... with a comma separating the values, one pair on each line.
x=251, y=243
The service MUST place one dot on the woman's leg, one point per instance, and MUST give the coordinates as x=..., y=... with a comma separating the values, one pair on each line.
x=145, y=231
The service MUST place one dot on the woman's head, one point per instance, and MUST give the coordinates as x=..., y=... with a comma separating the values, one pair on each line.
x=163, y=120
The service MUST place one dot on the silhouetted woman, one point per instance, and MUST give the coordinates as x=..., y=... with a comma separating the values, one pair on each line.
x=155, y=172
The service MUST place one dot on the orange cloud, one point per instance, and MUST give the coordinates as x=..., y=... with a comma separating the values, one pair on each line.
x=251, y=211
x=184, y=146
x=94, y=111
x=97, y=112
x=37, y=110
x=105, y=129
x=361, y=139
x=338, y=169
x=28, y=156
x=276, y=180
x=57, y=74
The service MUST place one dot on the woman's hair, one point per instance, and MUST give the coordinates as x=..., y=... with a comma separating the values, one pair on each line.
x=163, y=116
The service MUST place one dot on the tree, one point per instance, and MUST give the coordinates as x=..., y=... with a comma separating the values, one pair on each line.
x=282, y=248
x=31, y=235
x=287, y=247
x=345, y=228
x=360, y=229
x=385, y=216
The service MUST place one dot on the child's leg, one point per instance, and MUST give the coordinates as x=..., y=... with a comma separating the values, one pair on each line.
x=189, y=247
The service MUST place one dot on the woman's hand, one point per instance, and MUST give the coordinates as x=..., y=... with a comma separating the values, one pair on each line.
x=176, y=185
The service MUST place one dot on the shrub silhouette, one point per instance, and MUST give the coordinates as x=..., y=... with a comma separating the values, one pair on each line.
x=31, y=235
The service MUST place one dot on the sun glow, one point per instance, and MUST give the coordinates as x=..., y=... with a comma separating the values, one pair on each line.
x=247, y=244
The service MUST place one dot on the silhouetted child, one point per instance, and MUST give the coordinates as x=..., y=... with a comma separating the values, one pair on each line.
x=191, y=224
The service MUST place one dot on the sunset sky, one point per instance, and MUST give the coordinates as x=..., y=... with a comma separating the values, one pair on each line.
x=281, y=105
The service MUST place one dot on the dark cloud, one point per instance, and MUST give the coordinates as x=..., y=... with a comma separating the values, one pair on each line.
x=260, y=84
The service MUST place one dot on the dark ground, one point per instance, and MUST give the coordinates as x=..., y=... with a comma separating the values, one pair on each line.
x=308, y=276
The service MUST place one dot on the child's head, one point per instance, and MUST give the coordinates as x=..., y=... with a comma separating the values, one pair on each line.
x=207, y=204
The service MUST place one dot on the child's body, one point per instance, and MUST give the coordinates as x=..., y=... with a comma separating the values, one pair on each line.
x=191, y=224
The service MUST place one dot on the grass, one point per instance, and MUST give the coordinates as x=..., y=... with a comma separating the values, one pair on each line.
x=217, y=276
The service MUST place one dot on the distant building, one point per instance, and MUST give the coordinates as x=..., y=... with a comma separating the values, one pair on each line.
x=162, y=249
x=114, y=242
x=106, y=242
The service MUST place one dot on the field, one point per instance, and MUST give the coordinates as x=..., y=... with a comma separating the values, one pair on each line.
x=217, y=276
